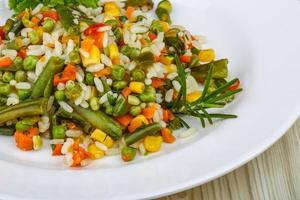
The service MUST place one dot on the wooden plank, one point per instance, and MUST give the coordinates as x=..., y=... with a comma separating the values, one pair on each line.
x=275, y=174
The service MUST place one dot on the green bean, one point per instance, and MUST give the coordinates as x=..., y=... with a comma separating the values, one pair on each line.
x=20, y=76
x=7, y=77
x=2, y=100
x=137, y=75
x=74, y=57
x=135, y=110
x=141, y=133
x=8, y=25
x=30, y=62
x=59, y=95
x=23, y=94
x=118, y=72
x=163, y=10
x=128, y=153
x=123, y=19
x=89, y=78
x=13, y=45
x=48, y=89
x=121, y=107
x=58, y=131
x=145, y=59
x=7, y=131
x=74, y=116
x=119, y=85
x=53, y=66
x=220, y=69
x=34, y=37
x=148, y=95
x=26, y=123
x=100, y=120
x=94, y=103
x=17, y=27
x=5, y=89
x=156, y=27
x=175, y=124
x=109, y=109
x=48, y=25
x=23, y=109
x=67, y=19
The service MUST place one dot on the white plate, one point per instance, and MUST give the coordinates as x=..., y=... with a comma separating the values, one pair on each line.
x=261, y=40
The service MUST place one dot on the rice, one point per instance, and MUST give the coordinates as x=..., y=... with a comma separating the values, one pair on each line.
x=70, y=46
x=37, y=9
x=148, y=81
x=95, y=68
x=57, y=48
x=143, y=105
x=11, y=36
x=169, y=95
x=101, y=146
x=31, y=76
x=43, y=124
x=25, y=41
x=176, y=85
x=87, y=141
x=12, y=54
x=172, y=75
x=67, y=145
x=87, y=93
x=187, y=133
x=84, y=53
x=104, y=28
x=158, y=98
x=40, y=66
x=68, y=159
x=142, y=149
x=103, y=99
x=98, y=84
x=85, y=162
x=35, y=52
x=163, y=124
x=84, y=104
x=73, y=133
x=65, y=106
x=12, y=82
x=106, y=60
x=112, y=151
x=109, y=81
x=61, y=86
x=156, y=117
x=126, y=36
x=50, y=103
x=25, y=31
x=23, y=85
x=105, y=40
x=57, y=141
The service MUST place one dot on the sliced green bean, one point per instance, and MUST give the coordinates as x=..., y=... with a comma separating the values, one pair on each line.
x=141, y=133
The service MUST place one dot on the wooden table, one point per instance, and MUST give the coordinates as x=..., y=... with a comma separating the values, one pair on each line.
x=275, y=174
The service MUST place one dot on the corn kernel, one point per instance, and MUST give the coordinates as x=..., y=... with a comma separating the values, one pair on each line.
x=102, y=137
x=153, y=143
x=193, y=96
x=137, y=87
x=112, y=9
x=171, y=68
x=140, y=118
x=207, y=55
x=94, y=57
x=166, y=60
x=127, y=26
x=165, y=26
x=95, y=152
x=114, y=53
x=37, y=142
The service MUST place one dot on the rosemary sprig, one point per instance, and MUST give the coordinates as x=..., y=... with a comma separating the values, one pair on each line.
x=214, y=99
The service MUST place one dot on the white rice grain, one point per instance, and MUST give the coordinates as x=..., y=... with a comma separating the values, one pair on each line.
x=148, y=81
x=84, y=53
x=98, y=84
x=112, y=151
x=70, y=46
x=68, y=159
x=36, y=52
x=187, y=133
x=84, y=104
x=103, y=99
x=105, y=40
x=95, y=68
x=57, y=141
x=37, y=9
x=169, y=95
x=172, y=75
x=31, y=76
x=61, y=86
x=109, y=81
x=50, y=103
x=142, y=149
x=87, y=93
x=65, y=106
x=176, y=85
x=67, y=145
x=12, y=82
x=11, y=36
x=25, y=41
x=101, y=146
x=73, y=133
x=25, y=31
x=106, y=60
x=156, y=117
x=104, y=28
x=85, y=162
x=12, y=54
x=57, y=48
x=23, y=85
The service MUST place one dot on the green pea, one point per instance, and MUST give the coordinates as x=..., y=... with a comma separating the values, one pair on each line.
x=7, y=76
x=70, y=85
x=18, y=62
x=94, y=103
x=128, y=153
x=23, y=94
x=3, y=100
x=59, y=95
x=138, y=75
x=109, y=110
x=134, y=53
x=135, y=110
x=126, y=50
x=133, y=100
x=58, y=132
x=148, y=95
x=89, y=78
x=30, y=62
x=74, y=57
x=5, y=89
x=21, y=76
x=34, y=37
x=118, y=72
x=48, y=25
x=20, y=126
x=119, y=85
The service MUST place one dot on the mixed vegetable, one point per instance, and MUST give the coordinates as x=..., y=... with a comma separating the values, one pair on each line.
x=103, y=78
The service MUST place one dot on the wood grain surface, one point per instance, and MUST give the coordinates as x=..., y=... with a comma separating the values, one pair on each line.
x=275, y=174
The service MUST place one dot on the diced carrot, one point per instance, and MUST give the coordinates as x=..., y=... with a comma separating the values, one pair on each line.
x=104, y=72
x=167, y=135
x=35, y=27
x=20, y=15
x=23, y=141
x=22, y=53
x=235, y=86
x=148, y=112
x=6, y=61
x=157, y=82
x=152, y=36
x=68, y=74
x=129, y=12
x=32, y=132
x=185, y=59
x=126, y=92
x=143, y=42
x=79, y=155
x=51, y=45
x=57, y=79
x=51, y=14
x=98, y=37
x=87, y=44
x=2, y=33
x=71, y=125
x=157, y=59
x=137, y=122
x=190, y=45
x=167, y=115
x=124, y=120
x=164, y=50
x=35, y=20
x=57, y=150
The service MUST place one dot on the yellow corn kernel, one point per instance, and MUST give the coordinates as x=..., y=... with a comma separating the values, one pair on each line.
x=94, y=57
x=95, y=152
x=207, y=55
x=171, y=68
x=138, y=119
x=108, y=17
x=127, y=26
x=153, y=143
x=114, y=53
x=164, y=25
x=166, y=60
x=102, y=137
x=137, y=87
x=112, y=9
x=193, y=96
